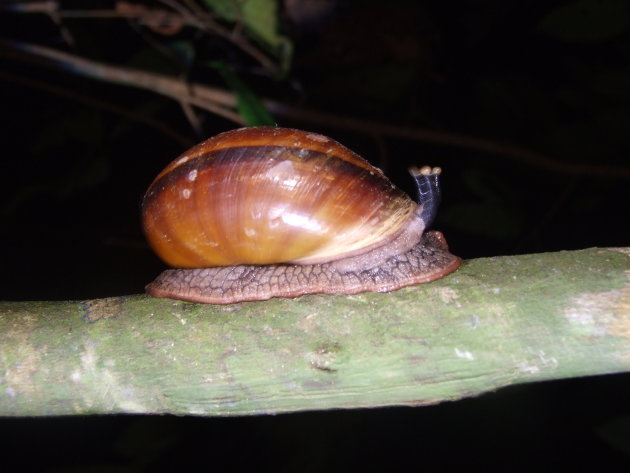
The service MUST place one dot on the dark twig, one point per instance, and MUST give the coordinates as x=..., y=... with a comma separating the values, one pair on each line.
x=223, y=103
x=162, y=84
x=181, y=16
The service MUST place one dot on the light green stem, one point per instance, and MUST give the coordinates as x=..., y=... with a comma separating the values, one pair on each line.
x=495, y=322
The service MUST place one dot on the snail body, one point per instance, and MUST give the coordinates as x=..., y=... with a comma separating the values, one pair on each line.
x=262, y=212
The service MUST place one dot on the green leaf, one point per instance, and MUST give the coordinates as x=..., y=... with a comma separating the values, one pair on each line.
x=228, y=10
x=248, y=104
x=260, y=18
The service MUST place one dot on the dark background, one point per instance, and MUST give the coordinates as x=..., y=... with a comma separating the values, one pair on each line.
x=549, y=77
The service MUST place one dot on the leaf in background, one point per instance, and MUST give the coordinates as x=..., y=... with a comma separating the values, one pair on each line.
x=248, y=104
x=259, y=17
x=226, y=10
x=588, y=21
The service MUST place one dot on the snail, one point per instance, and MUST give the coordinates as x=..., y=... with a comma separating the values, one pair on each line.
x=265, y=212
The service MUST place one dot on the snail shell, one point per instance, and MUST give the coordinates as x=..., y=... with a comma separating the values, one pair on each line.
x=277, y=206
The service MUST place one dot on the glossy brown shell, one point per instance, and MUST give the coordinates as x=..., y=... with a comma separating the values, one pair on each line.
x=269, y=195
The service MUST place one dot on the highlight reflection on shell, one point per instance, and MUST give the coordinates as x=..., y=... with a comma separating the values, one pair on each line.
x=270, y=195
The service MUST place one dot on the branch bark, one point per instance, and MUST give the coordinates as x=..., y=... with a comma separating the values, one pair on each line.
x=495, y=322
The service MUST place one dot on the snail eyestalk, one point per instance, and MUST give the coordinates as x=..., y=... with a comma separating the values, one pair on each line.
x=429, y=191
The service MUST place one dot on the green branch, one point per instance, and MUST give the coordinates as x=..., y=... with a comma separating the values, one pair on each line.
x=495, y=322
